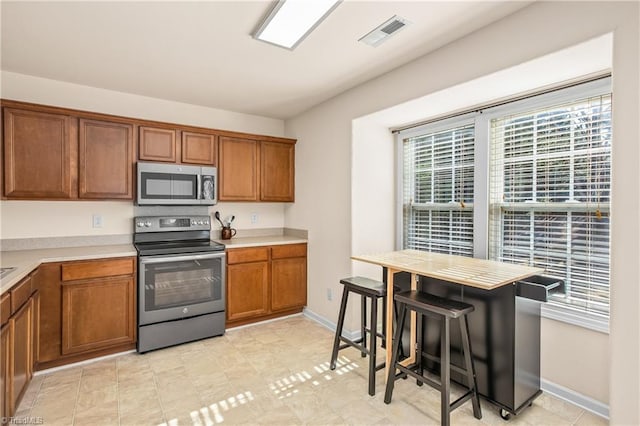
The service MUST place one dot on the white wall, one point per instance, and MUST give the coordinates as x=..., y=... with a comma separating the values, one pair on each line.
x=24, y=219
x=324, y=190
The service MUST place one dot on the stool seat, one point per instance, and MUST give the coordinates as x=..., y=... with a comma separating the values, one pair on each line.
x=426, y=303
x=365, y=285
x=368, y=290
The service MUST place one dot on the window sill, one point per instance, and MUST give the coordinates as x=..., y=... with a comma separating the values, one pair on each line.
x=581, y=319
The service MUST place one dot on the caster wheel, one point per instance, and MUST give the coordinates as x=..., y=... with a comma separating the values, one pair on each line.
x=505, y=414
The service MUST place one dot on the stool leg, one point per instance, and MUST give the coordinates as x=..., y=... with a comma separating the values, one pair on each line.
x=372, y=346
x=336, y=340
x=444, y=373
x=384, y=320
x=470, y=367
x=396, y=316
x=397, y=338
x=363, y=324
x=419, y=343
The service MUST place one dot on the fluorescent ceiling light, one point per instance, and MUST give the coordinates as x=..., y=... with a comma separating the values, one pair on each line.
x=291, y=21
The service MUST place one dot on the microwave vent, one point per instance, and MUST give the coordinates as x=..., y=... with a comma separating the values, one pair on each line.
x=384, y=31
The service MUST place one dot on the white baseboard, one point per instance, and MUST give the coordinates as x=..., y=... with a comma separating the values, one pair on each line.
x=352, y=335
x=596, y=407
x=575, y=398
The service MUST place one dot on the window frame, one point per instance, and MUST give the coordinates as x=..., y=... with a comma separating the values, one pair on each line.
x=482, y=154
x=435, y=127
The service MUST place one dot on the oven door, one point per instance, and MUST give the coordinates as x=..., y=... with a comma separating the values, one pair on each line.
x=180, y=286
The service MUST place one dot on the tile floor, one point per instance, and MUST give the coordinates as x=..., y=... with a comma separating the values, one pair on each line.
x=271, y=373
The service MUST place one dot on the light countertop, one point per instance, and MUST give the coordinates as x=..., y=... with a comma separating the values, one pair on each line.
x=479, y=273
x=271, y=240
x=26, y=261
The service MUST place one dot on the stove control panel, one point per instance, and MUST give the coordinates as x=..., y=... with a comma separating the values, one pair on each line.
x=171, y=223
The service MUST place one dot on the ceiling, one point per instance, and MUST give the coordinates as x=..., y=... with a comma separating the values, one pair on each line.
x=202, y=53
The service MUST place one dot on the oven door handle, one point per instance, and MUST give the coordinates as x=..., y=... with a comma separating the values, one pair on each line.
x=147, y=260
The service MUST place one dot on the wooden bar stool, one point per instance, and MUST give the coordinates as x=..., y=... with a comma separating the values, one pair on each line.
x=445, y=310
x=367, y=289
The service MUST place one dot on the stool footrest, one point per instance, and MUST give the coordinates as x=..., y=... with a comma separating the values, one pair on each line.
x=408, y=371
x=354, y=344
x=452, y=366
x=464, y=398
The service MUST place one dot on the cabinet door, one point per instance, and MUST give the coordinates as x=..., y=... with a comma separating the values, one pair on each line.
x=198, y=148
x=277, y=171
x=22, y=351
x=288, y=283
x=247, y=290
x=106, y=160
x=40, y=155
x=157, y=144
x=238, y=170
x=47, y=282
x=35, y=332
x=6, y=363
x=97, y=314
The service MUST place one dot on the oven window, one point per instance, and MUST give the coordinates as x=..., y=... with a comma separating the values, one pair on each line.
x=182, y=283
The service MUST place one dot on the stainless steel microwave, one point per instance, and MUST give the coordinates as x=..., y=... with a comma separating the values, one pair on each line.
x=176, y=184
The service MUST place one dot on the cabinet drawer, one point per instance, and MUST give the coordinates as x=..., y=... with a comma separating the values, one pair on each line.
x=5, y=307
x=288, y=250
x=20, y=293
x=247, y=255
x=97, y=269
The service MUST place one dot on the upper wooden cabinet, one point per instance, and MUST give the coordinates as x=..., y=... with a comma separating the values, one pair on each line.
x=199, y=148
x=251, y=170
x=238, y=170
x=53, y=153
x=157, y=144
x=40, y=155
x=106, y=160
x=277, y=171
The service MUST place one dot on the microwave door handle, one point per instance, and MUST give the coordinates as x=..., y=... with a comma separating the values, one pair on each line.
x=199, y=184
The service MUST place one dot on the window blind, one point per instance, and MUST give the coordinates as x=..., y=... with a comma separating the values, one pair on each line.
x=438, y=169
x=550, y=181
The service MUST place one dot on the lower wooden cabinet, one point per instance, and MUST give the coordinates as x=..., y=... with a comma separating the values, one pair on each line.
x=87, y=309
x=97, y=314
x=18, y=344
x=265, y=282
x=5, y=369
x=284, y=274
x=247, y=290
x=22, y=352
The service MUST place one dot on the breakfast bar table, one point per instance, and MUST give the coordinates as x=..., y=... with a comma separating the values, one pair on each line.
x=498, y=325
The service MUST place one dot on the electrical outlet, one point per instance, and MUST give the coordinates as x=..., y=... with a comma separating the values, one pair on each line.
x=254, y=217
x=97, y=221
x=329, y=294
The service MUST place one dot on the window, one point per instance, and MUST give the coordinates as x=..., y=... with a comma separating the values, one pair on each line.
x=550, y=186
x=438, y=190
x=541, y=193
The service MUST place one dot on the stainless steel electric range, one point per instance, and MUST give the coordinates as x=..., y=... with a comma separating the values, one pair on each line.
x=181, y=281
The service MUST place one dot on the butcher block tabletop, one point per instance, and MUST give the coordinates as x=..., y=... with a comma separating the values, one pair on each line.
x=479, y=273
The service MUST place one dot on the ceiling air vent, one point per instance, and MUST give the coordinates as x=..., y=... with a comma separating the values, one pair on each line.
x=384, y=31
